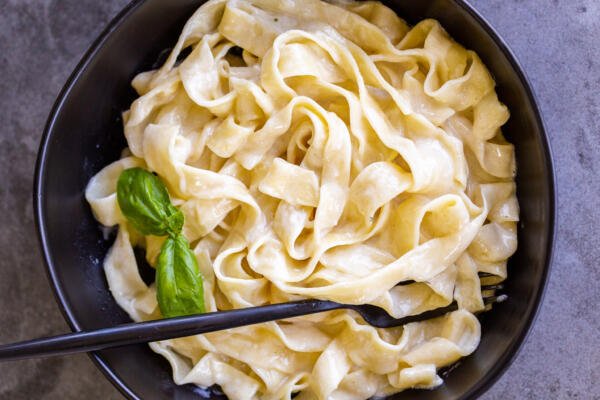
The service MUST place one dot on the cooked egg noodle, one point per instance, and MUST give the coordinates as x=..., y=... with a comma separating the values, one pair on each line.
x=342, y=152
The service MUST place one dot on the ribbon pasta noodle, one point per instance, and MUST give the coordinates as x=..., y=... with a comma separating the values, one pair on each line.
x=320, y=150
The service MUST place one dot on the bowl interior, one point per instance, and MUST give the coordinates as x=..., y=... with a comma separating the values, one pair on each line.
x=84, y=133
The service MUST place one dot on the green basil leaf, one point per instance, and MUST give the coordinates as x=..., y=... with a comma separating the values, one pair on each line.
x=178, y=280
x=145, y=202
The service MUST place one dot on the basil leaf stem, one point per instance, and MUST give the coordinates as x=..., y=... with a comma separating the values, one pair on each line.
x=144, y=201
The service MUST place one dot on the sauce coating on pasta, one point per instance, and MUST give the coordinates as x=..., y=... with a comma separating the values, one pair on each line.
x=322, y=150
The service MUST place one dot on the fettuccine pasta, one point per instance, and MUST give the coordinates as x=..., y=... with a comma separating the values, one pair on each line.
x=320, y=150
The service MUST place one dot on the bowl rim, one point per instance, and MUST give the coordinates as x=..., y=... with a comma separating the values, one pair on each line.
x=490, y=377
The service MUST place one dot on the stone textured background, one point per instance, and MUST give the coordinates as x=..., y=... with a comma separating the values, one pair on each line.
x=555, y=40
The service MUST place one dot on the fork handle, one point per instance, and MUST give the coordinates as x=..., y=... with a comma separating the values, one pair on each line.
x=170, y=328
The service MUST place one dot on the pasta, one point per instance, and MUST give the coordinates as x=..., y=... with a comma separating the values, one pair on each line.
x=320, y=150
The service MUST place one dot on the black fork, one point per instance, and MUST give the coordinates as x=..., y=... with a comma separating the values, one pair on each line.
x=170, y=328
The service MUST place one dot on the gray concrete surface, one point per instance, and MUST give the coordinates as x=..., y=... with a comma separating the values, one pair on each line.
x=557, y=43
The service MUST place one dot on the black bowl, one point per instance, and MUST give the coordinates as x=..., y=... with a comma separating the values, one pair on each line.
x=84, y=133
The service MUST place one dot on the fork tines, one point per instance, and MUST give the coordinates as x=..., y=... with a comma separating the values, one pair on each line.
x=488, y=300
